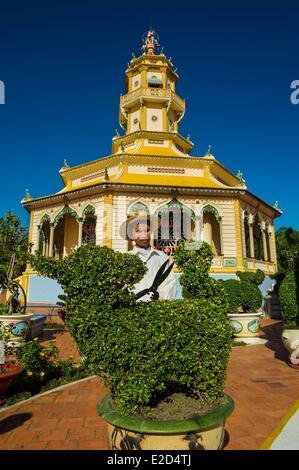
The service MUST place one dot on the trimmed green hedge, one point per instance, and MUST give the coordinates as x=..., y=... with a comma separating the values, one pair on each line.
x=288, y=297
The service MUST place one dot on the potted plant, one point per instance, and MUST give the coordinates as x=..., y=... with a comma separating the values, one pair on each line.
x=13, y=313
x=9, y=368
x=163, y=361
x=288, y=297
x=245, y=301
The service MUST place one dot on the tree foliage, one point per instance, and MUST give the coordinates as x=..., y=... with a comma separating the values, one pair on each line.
x=13, y=239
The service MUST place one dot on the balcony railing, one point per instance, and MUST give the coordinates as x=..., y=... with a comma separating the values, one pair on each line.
x=154, y=93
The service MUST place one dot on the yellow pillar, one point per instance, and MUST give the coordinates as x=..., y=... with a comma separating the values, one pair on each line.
x=80, y=228
x=164, y=119
x=37, y=239
x=51, y=243
x=264, y=245
x=273, y=246
x=107, y=228
x=142, y=116
x=239, y=241
x=143, y=77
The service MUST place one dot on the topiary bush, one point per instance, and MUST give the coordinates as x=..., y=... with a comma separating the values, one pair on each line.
x=137, y=348
x=194, y=260
x=97, y=281
x=251, y=297
x=143, y=349
x=244, y=295
x=288, y=297
x=233, y=290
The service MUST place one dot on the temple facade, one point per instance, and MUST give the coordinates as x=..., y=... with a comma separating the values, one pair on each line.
x=150, y=171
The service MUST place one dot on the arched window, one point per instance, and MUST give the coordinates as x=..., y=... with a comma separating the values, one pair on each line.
x=212, y=229
x=89, y=226
x=175, y=222
x=138, y=209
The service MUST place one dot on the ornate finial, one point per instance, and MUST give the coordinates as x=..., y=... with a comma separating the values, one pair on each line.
x=150, y=42
x=162, y=49
x=117, y=133
x=239, y=175
x=275, y=205
x=65, y=164
x=175, y=70
x=188, y=137
x=209, y=150
x=28, y=195
x=133, y=55
x=106, y=173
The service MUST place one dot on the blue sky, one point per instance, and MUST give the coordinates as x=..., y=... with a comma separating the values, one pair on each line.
x=63, y=66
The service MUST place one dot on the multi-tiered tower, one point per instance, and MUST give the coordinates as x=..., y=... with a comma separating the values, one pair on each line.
x=151, y=110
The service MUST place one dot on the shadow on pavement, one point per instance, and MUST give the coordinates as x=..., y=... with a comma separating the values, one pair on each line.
x=274, y=342
x=11, y=422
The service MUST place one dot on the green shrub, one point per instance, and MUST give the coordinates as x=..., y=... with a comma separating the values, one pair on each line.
x=137, y=347
x=288, y=297
x=255, y=278
x=37, y=361
x=188, y=340
x=195, y=265
x=251, y=297
x=4, y=309
x=42, y=370
x=233, y=289
x=97, y=281
x=244, y=295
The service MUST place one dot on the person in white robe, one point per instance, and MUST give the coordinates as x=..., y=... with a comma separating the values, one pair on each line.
x=153, y=259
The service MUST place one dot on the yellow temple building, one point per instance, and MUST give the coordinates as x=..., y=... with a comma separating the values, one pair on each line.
x=149, y=170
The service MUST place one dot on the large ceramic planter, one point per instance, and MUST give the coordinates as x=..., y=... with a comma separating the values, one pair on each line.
x=290, y=339
x=19, y=327
x=204, y=432
x=245, y=325
x=6, y=379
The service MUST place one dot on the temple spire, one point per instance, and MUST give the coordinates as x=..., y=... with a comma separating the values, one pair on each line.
x=150, y=42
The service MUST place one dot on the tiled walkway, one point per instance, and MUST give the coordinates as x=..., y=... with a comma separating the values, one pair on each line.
x=259, y=380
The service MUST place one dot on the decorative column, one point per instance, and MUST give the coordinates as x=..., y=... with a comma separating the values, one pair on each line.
x=107, y=226
x=251, y=243
x=51, y=243
x=221, y=236
x=37, y=239
x=239, y=234
x=44, y=247
x=80, y=230
x=198, y=227
x=263, y=230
